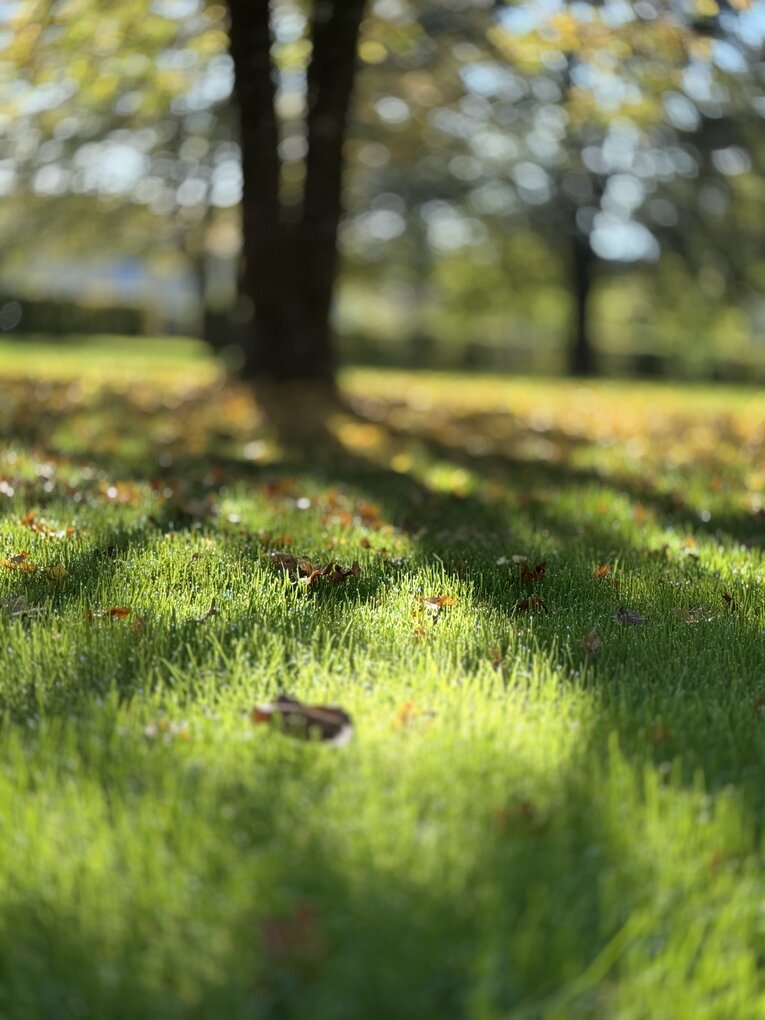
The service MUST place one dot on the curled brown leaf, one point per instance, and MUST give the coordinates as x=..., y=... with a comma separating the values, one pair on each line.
x=328, y=723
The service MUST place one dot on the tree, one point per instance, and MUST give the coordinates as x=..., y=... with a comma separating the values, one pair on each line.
x=75, y=85
x=291, y=261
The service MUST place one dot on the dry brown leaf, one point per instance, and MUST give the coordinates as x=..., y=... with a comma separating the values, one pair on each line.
x=698, y=614
x=293, y=939
x=529, y=575
x=20, y=562
x=138, y=626
x=497, y=659
x=530, y=605
x=19, y=606
x=603, y=571
x=119, y=612
x=212, y=611
x=660, y=735
x=592, y=643
x=630, y=617
x=308, y=722
x=730, y=601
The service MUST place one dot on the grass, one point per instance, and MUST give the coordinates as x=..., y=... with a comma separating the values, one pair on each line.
x=519, y=829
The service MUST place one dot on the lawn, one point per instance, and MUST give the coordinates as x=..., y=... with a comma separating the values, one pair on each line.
x=552, y=651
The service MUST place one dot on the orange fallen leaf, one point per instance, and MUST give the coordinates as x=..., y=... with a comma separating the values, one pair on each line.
x=660, y=735
x=119, y=612
x=603, y=571
x=308, y=722
x=435, y=603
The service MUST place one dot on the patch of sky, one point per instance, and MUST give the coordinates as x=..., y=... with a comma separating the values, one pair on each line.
x=492, y=79
x=289, y=26
x=392, y=110
x=732, y=161
x=494, y=198
x=618, y=239
x=523, y=18
x=728, y=57
x=533, y=183
x=681, y=112
x=175, y=9
x=750, y=26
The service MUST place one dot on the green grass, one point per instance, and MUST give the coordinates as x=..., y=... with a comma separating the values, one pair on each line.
x=516, y=830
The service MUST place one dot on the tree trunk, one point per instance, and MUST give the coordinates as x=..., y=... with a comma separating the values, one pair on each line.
x=581, y=355
x=291, y=267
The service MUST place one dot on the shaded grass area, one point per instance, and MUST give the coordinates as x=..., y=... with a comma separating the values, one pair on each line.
x=519, y=829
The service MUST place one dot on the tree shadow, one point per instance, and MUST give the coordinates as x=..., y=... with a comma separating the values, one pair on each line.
x=338, y=933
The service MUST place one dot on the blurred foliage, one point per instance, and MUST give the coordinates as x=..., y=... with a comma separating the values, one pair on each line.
x=495, y=146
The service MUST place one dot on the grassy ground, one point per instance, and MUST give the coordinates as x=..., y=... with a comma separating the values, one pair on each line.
x=524, y=826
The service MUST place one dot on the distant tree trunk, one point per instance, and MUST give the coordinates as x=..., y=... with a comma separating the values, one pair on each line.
x=291, y=267
x=581, y=354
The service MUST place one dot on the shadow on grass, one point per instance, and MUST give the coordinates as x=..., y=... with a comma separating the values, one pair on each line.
x=320, y=931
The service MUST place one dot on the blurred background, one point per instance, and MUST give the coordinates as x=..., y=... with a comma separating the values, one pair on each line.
x=542, y=187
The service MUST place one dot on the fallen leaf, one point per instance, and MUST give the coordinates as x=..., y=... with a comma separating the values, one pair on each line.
x=529, y=575
x=630, y=617
x=19, y=606
x=212, y=611
x=138, y=626
x=603, y=571
x=337, y=574
x=296, y=938
x=731, y=602
x=435, y=603
x=592, y=643
x=308, y=722
x=497, y=659
x=166, y=731
x=56, y=572
x=19, y=557
x=660, y=735
x=530, y=605
x=698, y=614
x=119, y=612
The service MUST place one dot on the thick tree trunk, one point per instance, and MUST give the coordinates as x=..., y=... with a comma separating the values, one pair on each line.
x=254, y=89
x=331, y=74
x=581, y=355
x=291, y=267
